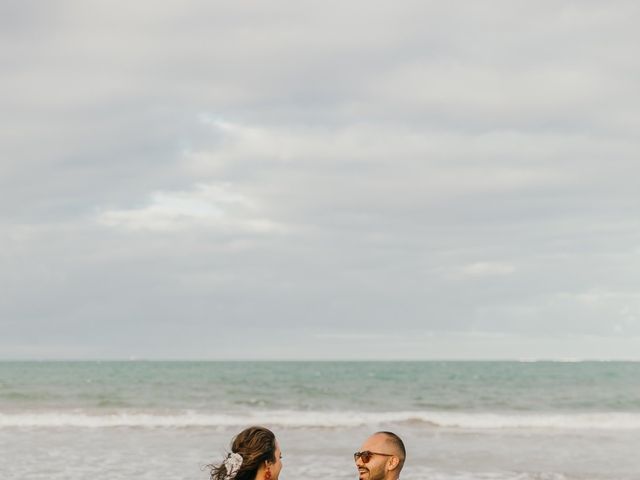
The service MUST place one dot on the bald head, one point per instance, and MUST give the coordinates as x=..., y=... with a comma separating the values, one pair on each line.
x=395, y=445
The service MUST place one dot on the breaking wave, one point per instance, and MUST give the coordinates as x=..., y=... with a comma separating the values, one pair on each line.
x=324, y=419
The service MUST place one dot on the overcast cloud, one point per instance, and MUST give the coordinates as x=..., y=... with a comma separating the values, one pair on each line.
x=306, y=179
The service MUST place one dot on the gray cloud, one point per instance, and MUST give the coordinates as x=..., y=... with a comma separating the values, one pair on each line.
x=178, y=177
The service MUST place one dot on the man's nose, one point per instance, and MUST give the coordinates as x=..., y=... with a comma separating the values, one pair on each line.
x=359, y=461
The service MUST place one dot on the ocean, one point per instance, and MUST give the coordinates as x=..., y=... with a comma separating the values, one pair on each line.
x=459, y=420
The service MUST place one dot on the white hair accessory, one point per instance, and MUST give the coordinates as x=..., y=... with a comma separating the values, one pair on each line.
x=232, y=464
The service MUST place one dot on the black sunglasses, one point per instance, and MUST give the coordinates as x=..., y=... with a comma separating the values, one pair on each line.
x=366, y=455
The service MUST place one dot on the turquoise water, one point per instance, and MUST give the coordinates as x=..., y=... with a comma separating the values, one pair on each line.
x=323, y=386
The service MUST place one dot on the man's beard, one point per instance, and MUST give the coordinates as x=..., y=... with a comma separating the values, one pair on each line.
x=373, y=474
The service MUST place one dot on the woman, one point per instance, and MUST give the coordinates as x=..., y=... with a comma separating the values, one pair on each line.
x=255, y=455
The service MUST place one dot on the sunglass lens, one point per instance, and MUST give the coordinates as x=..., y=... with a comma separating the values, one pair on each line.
x=365, y=456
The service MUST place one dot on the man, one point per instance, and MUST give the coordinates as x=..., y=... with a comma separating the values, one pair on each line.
x=381, y=457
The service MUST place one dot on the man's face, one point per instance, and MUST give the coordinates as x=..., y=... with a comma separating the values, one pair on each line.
x=375, y=468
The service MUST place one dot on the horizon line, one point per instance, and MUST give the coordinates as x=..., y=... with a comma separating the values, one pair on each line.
x=327, y=360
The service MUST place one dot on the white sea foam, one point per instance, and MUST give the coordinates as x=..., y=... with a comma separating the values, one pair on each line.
x=501, y=475
x=325, y=419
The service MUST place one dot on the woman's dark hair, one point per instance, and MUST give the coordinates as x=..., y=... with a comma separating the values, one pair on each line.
x=256, y=445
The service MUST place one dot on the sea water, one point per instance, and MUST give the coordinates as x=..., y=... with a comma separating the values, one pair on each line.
x=459, y=420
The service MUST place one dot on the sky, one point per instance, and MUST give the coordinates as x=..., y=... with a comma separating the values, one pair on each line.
x=319, y=179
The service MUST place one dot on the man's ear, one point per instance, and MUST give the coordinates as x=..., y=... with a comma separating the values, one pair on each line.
x=393, y=463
